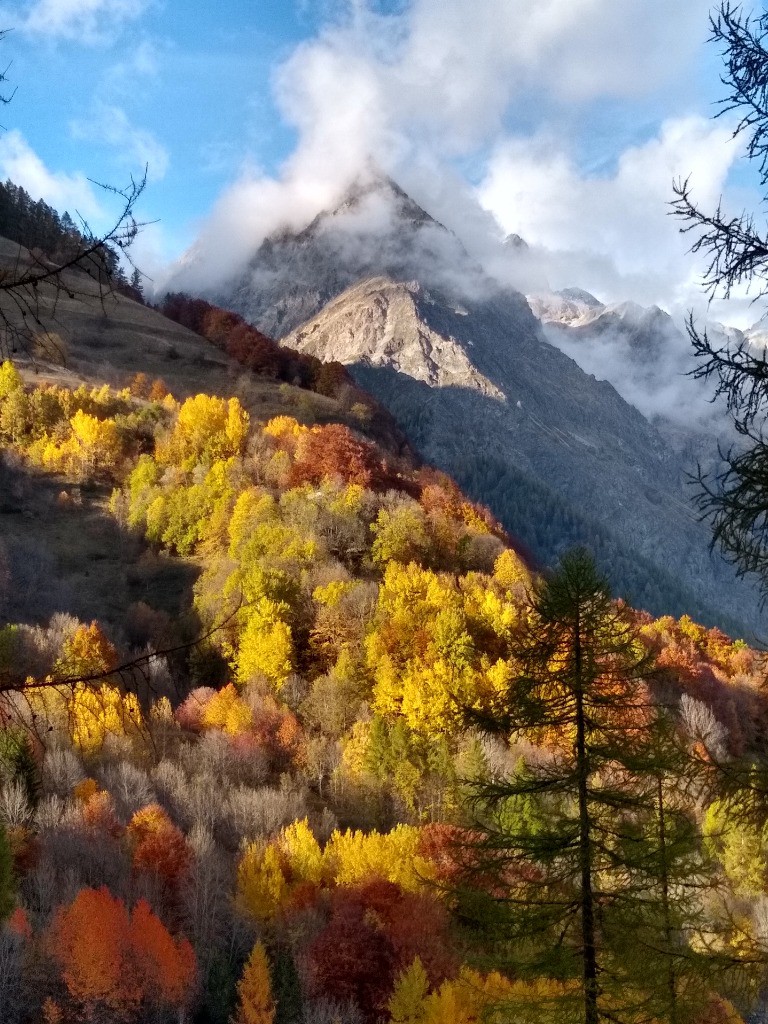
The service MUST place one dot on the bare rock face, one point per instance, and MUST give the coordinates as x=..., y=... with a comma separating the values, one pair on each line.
x=377, y=229
x=377, y=323
x=470, y=374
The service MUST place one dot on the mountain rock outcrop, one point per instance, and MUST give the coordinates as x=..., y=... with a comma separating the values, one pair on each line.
x=471, y=375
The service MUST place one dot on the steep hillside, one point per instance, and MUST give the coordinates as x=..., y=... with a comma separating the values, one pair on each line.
x=60, y=549
x=469, y=373
x=109, y=339
x=317, y=783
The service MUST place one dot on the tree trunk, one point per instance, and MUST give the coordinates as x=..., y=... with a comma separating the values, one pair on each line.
x=671, y=977
x=588, y=943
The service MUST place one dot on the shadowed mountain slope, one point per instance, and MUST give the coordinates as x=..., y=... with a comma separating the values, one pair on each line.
x=467, y=370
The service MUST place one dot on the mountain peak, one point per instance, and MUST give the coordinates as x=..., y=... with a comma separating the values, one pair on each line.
x=370, y=193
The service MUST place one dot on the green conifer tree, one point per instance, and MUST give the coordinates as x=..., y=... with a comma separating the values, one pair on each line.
x=581, y=850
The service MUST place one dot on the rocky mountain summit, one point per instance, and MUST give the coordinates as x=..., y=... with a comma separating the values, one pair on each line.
x=475, y=376
x=376, y=229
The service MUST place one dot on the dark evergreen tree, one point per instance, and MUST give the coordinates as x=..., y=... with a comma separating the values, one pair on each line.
x=735, y=499
x=580, y=848
x=18, y=763
x=6, y=875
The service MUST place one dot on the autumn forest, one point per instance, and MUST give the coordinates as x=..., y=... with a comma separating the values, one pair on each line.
x=383, y=769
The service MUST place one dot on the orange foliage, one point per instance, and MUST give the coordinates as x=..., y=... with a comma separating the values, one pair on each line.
x=334, y=451
x=99, y=814
x=139, y=386
x=87, y=652
x=189, y=714
x=255, y=991
x=159, y=847
x=166, y=966
x=278, y=731
x=112, y=962
x=158, y=390
x=84, y=790
x=52, y=1012
x=91, y=942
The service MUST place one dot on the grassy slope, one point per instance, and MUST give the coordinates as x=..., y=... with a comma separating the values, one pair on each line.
x=69, y=555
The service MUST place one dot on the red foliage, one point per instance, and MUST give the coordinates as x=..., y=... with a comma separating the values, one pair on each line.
x=352, y=960
x=330, y=378
x=374, y=933
x=189, y=713
x=217, y=324
x=159, y=847
x=334, y=451
x=445, y=846
x=256, y=351
x=164, y=853
x=18, y=924
x=253, y=349
x=275, y=731
x=185, y=310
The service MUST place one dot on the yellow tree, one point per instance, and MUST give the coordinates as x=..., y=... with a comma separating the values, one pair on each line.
x=94, y=445
x=406, y=1005
x=261, y=884
x=256, y=1005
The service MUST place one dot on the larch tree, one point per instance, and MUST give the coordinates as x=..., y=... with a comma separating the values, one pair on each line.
x=564, y=868
x=256, y=1005
x=734, y=499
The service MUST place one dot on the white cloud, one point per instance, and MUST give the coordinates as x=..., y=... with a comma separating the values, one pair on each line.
x=72, y=192
x=137, y=147
x=612, y=234
x=445, y=72
x=83, y=21
x=142, y=62
x=438, y=82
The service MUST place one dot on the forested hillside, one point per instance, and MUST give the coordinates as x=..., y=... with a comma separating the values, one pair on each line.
x=38, y=226
x=377, y=771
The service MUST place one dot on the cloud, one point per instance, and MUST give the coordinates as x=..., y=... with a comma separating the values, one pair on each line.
x=72, y=192
x=90, y=22
x=440, y=85
x=109, y=125
x=142, y=62
x=612, y=233
x=445, y=72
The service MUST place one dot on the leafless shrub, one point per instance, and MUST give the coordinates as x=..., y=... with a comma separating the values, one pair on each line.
x=41, y=645
x=80, y=856
x=129, y=786
x=700, y=723
x=171, y=787
x=203, y=803
x=255, y=813
x=324, y=824
x=500, y=760
x=11, y=989
x=211, y=755
x=14, y=806
x=481, y=552
x=50, y=812
x=206, y=907
x=326, y=1011
x=760, y=920
x=62, y=770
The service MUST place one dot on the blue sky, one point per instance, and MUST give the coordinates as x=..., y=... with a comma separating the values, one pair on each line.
x=562, y=119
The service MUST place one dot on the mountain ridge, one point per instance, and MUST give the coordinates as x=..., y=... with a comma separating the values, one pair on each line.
x=497, y=384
